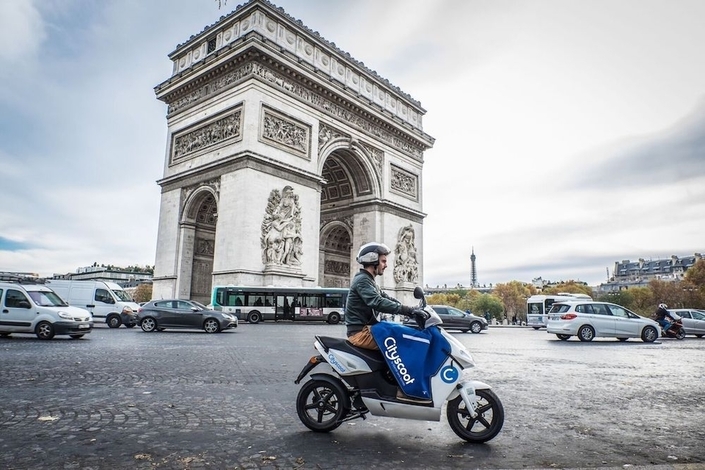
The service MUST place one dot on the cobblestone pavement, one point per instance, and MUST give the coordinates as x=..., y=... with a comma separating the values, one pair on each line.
x=125, y=399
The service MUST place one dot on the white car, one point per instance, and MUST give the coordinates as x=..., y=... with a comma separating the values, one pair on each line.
x=34, y=308
x=589, y=319
x=693, y=320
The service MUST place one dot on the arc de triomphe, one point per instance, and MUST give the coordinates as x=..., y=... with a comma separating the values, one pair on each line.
x=284, y=155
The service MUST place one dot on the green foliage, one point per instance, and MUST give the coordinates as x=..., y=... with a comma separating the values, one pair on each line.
x=484, y=303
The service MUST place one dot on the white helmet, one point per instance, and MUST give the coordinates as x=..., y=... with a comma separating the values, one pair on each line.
x=663, y=306
x=369, y=253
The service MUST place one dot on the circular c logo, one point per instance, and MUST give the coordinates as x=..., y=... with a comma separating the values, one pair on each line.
x=449, y=374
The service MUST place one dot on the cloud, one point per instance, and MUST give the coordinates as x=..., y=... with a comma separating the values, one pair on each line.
x=669, y=157
x=21, y=30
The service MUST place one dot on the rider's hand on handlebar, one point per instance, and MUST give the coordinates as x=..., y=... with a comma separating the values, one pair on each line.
x=421, y=313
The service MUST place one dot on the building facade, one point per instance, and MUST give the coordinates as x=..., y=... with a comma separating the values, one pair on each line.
x=284, y=154
x=639, y=273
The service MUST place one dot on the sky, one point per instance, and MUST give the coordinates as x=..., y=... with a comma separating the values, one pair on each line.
x=570, y=135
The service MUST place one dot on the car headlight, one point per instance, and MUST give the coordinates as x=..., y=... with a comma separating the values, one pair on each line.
x=127, y=309
x=65, y=315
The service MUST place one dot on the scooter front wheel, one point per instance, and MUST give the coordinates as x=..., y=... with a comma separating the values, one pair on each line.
x=320, y=405
x=485, y=426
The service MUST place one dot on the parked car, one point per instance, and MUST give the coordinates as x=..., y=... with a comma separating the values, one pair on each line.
x=693, y=320
x=36, y=309
x=178, y=313
x=588, y=319
x=456, y=319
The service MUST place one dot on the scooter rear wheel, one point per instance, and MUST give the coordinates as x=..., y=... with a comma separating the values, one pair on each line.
x=485, y=426
x=320, y=405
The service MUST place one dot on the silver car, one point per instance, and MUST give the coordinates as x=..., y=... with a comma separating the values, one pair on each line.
x=693, y=320
x=588, y=319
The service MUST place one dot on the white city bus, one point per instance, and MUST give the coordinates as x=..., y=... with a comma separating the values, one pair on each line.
x=537, y=306
x=255, y=304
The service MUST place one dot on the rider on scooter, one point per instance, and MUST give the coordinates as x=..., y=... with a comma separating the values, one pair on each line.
x=365, y=297
x=661, y=315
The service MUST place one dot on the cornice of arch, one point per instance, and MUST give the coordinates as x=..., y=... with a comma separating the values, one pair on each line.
x=259, y=63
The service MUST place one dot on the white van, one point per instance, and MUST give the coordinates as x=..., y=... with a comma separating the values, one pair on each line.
x=34, y=308
x=107, y=301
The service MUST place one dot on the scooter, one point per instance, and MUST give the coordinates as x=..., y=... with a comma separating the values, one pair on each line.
x=675, y=330
x=360, y=382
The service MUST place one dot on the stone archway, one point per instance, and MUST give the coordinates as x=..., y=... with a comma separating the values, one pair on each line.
x=335, y=255
x=262, y=109
x=201, y=215
x=348, y=180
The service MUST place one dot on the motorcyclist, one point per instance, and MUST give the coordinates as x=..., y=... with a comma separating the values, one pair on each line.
x=365, y=297
x=661, y=315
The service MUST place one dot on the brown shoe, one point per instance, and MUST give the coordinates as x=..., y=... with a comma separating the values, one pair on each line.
x=401, y=396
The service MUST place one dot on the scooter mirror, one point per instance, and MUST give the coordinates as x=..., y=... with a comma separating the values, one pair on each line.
x=418, y=292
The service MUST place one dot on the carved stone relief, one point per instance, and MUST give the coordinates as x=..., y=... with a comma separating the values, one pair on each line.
x=204, y=247
x=404, y=183
x=285, y=132
x=220, y=130
x=281, y=240
x=314, y=99
x=406, y=265
x=336, y=267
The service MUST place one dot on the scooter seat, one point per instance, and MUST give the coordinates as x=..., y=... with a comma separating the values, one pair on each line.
x=373, y=357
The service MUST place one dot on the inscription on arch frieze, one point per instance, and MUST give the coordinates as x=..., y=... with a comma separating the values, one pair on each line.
x=191, y=142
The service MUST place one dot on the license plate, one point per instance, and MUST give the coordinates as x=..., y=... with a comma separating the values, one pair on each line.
x=83, y=326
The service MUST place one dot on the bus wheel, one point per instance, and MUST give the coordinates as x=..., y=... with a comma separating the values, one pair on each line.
x=334, y=318
x=254, y=317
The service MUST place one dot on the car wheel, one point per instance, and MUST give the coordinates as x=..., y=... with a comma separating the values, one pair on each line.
x=622, y=339
x=44, y=330
x=148, y=324
x=76, y=336
x=211, y=326
x=254, y=317
x=485, y=425
x=649, y=334
x=475, y=327
x=114, y=321
x=586, y=333
x=563, y=337
x=334, y=318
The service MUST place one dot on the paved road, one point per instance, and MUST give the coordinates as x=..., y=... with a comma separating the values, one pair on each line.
x=124, y=399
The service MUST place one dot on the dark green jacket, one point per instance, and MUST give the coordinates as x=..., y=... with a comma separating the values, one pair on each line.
x=364, y=298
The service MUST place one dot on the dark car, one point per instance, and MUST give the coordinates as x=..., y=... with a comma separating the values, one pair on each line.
x=176, y=313
x=455, y=319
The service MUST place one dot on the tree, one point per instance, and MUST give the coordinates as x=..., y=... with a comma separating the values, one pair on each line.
x=513, y=295
x=695, y=275
x=143, y=293
x=488, y=303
